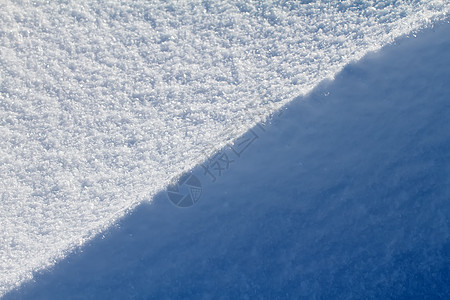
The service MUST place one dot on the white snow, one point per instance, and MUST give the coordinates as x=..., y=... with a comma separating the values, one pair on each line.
x=102, y=103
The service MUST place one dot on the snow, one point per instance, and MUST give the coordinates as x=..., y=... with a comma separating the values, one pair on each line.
x=101, y=104
x=346, y=195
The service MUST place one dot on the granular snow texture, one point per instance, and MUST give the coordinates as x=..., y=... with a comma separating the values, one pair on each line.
x=102, y=103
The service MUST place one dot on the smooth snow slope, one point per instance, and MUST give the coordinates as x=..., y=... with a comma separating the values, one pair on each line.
x=345, y=196
x=102, y=103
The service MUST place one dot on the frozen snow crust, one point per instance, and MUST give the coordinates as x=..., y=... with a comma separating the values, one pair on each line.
x=101, y=104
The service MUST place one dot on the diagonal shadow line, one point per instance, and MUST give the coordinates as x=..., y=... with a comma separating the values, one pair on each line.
x=344, y=195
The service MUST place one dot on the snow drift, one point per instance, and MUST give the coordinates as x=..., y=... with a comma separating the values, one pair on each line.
x=101, y=104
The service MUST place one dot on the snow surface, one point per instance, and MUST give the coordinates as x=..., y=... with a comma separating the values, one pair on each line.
x=345, y=196
x=102, y=103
